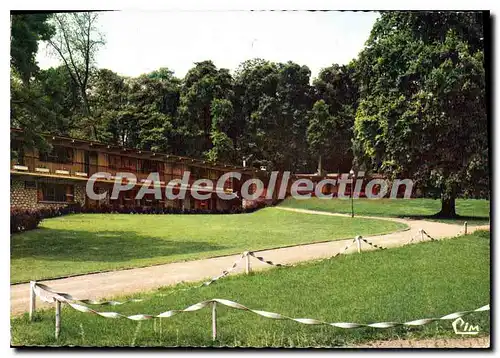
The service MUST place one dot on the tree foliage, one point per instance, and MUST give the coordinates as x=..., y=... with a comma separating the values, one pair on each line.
x=76, y=41
x=26, y=31
x=29, y=104
x=422, y=113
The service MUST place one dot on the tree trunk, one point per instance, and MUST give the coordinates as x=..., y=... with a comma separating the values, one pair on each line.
x=88, y=114
x=320, y=166
x=448, y=207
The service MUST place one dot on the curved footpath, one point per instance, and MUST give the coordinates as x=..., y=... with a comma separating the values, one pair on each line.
x=115, y=283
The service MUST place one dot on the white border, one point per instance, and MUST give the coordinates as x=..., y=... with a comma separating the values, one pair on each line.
x=185, y=5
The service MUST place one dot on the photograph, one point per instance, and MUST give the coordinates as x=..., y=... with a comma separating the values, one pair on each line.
x=224, y=178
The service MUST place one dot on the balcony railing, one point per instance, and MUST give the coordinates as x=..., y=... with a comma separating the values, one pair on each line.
x=80, y=170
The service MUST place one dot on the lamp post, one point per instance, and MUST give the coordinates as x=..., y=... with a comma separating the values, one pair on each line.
x=352, y=192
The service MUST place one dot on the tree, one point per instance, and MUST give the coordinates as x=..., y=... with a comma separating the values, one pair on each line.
x=255, y=84
x=29, y=111
x=422, y=112
x=76, y=42
x=336, y=86
x=272, y=102
x=28, y=103
x=63, y=99
x=325, y=134
x=136, y=112
x=294, y=102
x=202, y=84
x=156, y=99
x=222, y=119
x=26, y=31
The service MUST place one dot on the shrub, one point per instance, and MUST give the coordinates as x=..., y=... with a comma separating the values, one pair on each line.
x=22, y=220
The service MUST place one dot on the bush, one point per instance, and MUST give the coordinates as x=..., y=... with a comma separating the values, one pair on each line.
x=104, y=209
x=22, y=220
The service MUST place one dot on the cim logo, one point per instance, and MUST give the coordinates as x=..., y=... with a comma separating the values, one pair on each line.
x=462, y=327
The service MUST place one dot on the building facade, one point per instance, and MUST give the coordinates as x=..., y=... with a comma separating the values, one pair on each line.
x=59, y=177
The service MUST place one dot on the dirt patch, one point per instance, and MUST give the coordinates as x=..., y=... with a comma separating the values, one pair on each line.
x=480, y=342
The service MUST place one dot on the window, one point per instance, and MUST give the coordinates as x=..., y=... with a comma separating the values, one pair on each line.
x=29, y=184
x=57, y=155
x=115, y=162
x=177, y=170
x=198, y=172
x=17, y=152
x=129, y=163
x=55, y=192
x=149, y=166
x=213, y=174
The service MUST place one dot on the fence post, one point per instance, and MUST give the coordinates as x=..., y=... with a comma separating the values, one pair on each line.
x=214, y=320
x=465, y=228
x=32, y=299
x=58, y=318
x=247, y=266
x=358, y=243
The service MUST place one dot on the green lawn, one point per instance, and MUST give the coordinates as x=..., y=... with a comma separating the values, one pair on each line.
x=429, y=279
x=84, y=243
x=475, y=212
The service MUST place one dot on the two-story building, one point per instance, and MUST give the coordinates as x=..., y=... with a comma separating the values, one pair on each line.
x=59, y=177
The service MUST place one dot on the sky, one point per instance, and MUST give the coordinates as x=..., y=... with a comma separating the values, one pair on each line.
x=139, y=42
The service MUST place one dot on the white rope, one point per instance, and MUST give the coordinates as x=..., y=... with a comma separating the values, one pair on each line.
x=272, y=315
x=372, y=244
x=344, y=249
x=224, y=272
x=212, y=280
x=419, y=234
x=422, y=231
x=429, y=236
x=261, y=259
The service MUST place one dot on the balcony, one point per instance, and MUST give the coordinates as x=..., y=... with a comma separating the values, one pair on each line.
x=82, y=171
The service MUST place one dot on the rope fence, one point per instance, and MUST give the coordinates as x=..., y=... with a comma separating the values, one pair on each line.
x=49, y=295
x=234, y=305
x=422, y=234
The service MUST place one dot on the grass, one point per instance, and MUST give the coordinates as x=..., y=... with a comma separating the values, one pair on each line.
x=475, y=212
x=424, y=280
x=84, y=243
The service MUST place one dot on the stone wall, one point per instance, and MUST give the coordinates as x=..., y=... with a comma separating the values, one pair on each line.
x=80, y=194
x=25, y=198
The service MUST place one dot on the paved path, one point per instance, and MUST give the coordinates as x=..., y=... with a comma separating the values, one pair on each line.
x=115, y=283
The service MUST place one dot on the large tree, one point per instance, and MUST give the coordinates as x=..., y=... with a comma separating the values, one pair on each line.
x=202, y=84
x=272, y=102
x=63, y=99
x=26, y=31
x=256, y=81
x=326, y=135
x=222, y=120
x=136, y=112
x=336, y=91
x=422, y=113
x=29, y=105
x=76, y=43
